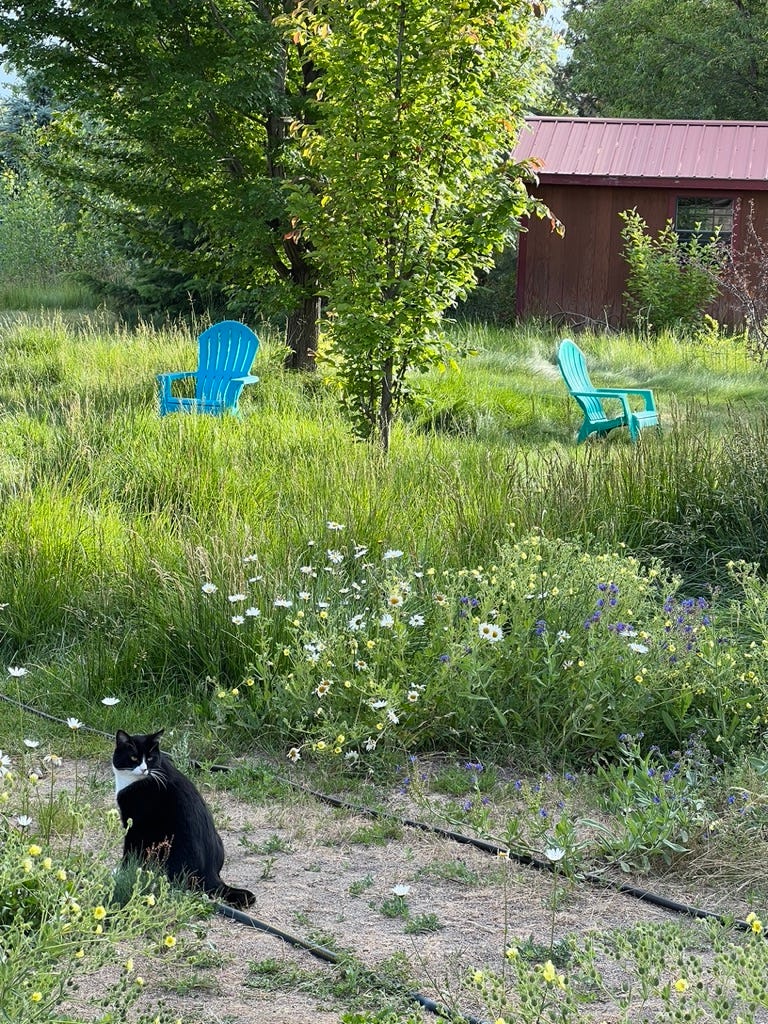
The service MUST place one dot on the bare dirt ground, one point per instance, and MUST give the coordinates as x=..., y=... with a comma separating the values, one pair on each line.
x=327, y=876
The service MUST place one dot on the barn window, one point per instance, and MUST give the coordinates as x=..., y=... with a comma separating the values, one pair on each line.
x=702, y=217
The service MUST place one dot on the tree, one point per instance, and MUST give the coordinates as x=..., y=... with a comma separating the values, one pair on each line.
x=177, y=111
x=393, y=185
x=668, y=58
x=410, y=188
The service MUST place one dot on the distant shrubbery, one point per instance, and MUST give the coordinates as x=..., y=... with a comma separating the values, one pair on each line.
x=670, y=282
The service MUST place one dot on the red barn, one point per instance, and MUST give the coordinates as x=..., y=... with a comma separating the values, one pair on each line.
x=590, y=169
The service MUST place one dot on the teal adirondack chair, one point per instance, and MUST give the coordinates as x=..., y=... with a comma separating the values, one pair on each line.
x=226, y=352
x=573, y=367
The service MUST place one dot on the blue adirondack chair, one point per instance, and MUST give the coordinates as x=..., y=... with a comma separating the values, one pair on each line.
x=573, y=367
x=226, y=352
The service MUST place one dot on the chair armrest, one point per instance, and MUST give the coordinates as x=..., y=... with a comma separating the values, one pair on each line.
x=247, y=379
x=176, y=376
x=165, y=381
x=618, y=393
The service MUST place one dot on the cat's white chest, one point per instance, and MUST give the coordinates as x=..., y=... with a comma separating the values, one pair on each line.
x=125, y=777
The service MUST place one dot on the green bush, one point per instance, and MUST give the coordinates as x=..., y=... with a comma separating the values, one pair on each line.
x=670, y=282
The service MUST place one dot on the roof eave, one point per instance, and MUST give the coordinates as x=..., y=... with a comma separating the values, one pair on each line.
x=615, y=181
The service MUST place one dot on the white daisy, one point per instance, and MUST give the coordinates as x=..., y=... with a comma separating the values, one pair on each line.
x=334, y=556
x=209, y=588
x=252, y=612
x=416, y=620
x=282, y=602
x=294, y=754
x=17, y=672
x=386, y=621
x=238, y=620
x=331, y=525
x=491, y=632
x=74, y=723
x=639, y=648
x=356, y=623
x=109, y=702
x=234, y=598
x=32, y=744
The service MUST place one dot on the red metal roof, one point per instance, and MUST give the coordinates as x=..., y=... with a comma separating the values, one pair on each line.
x=714, y=154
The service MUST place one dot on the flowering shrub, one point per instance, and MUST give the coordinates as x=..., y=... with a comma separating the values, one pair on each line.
x=551, y=648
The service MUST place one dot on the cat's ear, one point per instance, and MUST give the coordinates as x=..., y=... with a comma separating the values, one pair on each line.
x=122, y=737
x=155, y=737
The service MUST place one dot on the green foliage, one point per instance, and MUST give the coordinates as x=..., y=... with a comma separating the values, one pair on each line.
x=411, y=189
x=178, y=170
x=670, y=282
x=663, y=58
x=36, y=242
x=636, y=971
x=662, y=805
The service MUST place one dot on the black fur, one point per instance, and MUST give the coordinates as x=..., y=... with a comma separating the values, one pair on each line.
x=170, y=823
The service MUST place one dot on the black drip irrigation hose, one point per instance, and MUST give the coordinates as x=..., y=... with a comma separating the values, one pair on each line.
x=329, y=956
x=457, y=837
x=529, y=861
x=321, y=952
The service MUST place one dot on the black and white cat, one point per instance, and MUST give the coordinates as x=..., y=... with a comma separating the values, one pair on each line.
x=170, y=823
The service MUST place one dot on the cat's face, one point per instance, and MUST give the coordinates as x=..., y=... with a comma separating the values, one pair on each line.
x=135, y=758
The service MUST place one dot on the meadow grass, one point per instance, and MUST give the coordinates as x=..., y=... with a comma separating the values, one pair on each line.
x=112, y=518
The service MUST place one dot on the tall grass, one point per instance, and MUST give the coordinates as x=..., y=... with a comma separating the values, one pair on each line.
x=111, y=518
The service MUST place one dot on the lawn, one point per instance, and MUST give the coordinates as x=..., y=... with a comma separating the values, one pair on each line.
x=460, y=633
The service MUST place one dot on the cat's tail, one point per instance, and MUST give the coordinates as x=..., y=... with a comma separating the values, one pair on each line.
x=240, y=898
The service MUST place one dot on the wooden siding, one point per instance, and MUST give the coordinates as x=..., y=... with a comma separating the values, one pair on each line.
x=582, y=276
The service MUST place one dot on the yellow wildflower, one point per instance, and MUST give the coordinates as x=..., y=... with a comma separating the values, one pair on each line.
x=755, y=923
x=551, y=976
x=680, y=985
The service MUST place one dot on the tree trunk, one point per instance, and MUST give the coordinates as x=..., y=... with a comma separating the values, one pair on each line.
x=385, y=406
x=301, y=333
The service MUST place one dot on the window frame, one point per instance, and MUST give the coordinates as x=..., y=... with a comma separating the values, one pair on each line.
x=717, y=203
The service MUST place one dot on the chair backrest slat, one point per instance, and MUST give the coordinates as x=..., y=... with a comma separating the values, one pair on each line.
x=573, y=367
x=227, y=350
